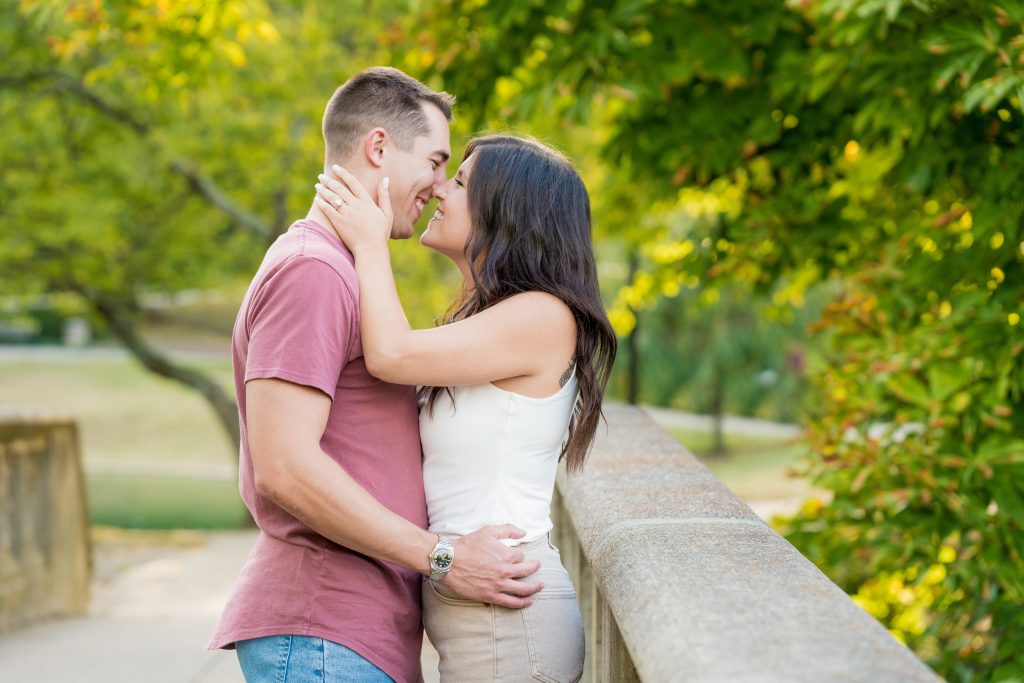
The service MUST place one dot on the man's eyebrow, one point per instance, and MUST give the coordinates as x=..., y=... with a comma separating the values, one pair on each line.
x=441, y=153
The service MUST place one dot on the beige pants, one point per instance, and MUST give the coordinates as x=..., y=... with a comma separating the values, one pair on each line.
x=480, y=642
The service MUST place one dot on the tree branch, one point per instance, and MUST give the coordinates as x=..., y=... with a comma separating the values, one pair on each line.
x=280, y=197
x=222, y=403
x=201, y=184
x=117, y=317
x=63, y=82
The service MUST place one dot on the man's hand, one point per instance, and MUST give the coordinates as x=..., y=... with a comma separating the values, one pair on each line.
x=486, y=569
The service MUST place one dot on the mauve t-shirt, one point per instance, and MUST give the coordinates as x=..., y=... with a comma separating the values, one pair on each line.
x=299, y=322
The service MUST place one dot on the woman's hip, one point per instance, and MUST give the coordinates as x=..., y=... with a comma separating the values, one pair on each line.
x=478, y=641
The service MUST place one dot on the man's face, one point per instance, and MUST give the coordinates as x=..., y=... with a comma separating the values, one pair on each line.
x=416, y=174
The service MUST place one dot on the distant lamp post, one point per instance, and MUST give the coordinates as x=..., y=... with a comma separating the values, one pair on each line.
x=76, y=332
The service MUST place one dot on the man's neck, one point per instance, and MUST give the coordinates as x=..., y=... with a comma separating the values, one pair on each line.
x=364, y=174
x=317, y=215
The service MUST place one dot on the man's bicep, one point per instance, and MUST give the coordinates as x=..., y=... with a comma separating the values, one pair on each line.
x=282, y=419
x=302, y=330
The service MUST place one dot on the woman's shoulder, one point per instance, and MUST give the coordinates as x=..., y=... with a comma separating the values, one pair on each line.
x=542, y=305
x=542, y=320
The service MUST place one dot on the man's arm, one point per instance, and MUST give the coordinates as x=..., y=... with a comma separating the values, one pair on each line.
x=285, y=423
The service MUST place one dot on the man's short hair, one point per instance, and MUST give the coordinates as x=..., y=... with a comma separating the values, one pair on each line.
x=379, y=96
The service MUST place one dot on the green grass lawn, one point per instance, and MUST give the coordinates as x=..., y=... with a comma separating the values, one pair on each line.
x=163, y=502
x=128, y=417
x=125, y=413
x=755, y=467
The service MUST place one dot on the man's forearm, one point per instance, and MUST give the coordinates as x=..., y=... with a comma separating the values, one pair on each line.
x=322, y=495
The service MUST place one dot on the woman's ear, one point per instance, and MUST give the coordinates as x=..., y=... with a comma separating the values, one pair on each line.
x=374, y=144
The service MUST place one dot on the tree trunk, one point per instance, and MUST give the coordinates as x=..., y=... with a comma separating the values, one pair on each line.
x=633, y=341
x=224, y=406
x=718, y=409
x=633, y=371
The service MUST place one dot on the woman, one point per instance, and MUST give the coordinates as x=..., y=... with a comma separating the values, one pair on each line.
x=511, y=383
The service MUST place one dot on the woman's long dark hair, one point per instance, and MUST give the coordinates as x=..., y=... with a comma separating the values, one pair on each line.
x=530, y=218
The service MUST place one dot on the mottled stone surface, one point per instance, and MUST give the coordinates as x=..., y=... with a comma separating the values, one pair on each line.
x=44, y=533
x=701, y=588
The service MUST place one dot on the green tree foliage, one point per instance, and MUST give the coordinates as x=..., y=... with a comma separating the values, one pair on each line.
x=871, y=144
x=154, y=146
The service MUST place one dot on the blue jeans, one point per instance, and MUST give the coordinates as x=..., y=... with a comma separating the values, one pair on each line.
x=303, y=659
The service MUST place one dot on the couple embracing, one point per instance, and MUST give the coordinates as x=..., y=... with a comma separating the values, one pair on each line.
x=365, y=537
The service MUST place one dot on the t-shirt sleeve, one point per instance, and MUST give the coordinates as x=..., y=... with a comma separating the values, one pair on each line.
x=301, y=326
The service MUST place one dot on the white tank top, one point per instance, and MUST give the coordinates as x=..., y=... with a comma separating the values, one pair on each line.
x=491, y=458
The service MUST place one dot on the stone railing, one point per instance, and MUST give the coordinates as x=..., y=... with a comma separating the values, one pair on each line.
x=680, y=581
x=44, y=533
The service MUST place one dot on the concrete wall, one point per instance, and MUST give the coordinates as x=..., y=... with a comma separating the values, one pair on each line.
x=44, y=529
x=680, y=581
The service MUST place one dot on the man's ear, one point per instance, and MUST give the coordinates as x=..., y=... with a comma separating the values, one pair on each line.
x=374, y=144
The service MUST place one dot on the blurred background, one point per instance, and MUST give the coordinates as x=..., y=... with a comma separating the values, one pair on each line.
x=808, y=214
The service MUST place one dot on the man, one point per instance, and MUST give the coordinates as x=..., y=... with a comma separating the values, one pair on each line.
x=330, y=464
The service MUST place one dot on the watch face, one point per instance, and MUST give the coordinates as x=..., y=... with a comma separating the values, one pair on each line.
x=441, y=560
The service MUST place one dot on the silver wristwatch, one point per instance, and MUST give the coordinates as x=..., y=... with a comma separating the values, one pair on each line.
x=441, y=558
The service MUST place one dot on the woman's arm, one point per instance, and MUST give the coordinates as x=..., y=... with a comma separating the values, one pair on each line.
x=510, y=339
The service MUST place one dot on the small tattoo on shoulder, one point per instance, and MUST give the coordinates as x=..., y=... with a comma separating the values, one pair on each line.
x=564, y=379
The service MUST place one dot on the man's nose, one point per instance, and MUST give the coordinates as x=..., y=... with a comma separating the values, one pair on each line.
x=440, y=176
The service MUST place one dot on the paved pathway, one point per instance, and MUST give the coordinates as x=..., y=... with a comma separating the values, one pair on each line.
x=66, y=354
x=153, y=607
x=673, y=419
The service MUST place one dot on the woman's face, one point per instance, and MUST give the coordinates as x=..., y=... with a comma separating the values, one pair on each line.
x=448, y=230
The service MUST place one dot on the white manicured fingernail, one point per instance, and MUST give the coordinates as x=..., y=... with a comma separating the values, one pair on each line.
x=387, y=181
x=336, y=168
x=317, y=186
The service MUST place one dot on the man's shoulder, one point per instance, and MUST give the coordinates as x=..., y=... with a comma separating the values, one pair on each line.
x=306, y=251
x=307, y=241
